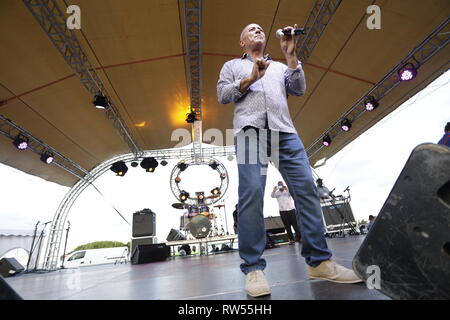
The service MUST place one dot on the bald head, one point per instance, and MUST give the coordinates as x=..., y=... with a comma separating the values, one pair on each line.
x=252, y=36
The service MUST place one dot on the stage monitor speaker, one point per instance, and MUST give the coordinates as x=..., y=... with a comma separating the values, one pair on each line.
x=144, y=223
x=274, y=224
x=142, y=240
x=150, y=253
x=175, y=235
x=10, y=267
x=6, y=292
x=410, y=239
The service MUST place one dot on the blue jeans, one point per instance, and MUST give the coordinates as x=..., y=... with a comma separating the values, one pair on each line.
x=293, y=164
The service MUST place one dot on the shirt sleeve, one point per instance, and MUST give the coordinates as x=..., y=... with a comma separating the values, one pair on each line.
x=227, y=86
x=294, y=80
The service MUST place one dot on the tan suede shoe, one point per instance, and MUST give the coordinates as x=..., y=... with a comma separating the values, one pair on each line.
x=256, y=284
x=331, y=271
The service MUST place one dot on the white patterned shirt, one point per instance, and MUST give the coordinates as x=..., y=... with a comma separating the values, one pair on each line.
x=264, y=99
x=285, y=201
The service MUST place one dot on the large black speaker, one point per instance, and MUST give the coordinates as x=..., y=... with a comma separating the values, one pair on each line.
x=144, y=223
x=142, y=240
x=150, y=253
x=6, y=292
x=410, y=239
x=175, y=235
x=10, y=267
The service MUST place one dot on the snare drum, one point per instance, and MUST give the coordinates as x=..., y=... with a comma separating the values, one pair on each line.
x=193, y=211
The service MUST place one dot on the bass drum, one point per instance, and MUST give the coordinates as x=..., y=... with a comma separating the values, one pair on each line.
x=199, y=226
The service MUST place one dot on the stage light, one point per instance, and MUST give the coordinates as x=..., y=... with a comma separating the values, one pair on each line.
x=326, y=141
x=407, y=72
x=346, y=125
x=21, y=142
x=213, y=165
x=100, y=101
x=149, y=164
x=164, y=163
x=184, y=196
x=230, y=158
x=47, y=157
x=371, y=103
x=191, y=117
x=223, y=176
x=177, y=180
x=120, y=168
x=182, y=166
x=215, y=191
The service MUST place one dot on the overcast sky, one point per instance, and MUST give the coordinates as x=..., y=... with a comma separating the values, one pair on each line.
x=370, y=165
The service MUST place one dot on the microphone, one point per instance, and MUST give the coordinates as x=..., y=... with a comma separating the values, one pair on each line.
x=292, y=32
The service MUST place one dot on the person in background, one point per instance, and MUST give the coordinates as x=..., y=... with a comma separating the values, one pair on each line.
x=287, y=211
x=445, y=140
x=324, y=193
x=371, y=221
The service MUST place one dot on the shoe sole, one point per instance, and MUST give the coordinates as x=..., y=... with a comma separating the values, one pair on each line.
x=265, y=293
x=336, y=281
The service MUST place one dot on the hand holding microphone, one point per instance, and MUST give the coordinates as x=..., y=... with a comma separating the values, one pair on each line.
x=289, y=32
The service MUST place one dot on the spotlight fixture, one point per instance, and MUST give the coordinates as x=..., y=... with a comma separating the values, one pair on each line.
x=100, y=101
x=47, y=157
x=164, y=163
x=120, y=168
x=223, y=176
x=371, y=103
x=149, y=164
x=191, y=117
x=215, y=191
x=177, y=180
x=230, y=158
x=326, y=141
x=21, y=142
x=346, y=125
x=184, y=196
x=407, y=72
x=134, y=164
x=182, y=166
x=213, y=165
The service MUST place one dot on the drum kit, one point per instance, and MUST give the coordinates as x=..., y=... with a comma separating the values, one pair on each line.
x=199, y=220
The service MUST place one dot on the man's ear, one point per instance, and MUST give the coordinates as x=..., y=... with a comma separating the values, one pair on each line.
x=241, y=43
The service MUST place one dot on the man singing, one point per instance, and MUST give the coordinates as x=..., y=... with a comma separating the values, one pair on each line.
x=258, y=87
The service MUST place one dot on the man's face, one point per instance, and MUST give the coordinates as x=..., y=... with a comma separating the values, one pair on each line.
x=252, y=36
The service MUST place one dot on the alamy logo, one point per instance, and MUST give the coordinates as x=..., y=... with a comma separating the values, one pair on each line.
x=374, y=20
x=74, y=20
x=374, y=280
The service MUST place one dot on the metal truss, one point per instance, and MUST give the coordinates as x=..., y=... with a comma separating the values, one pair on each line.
x=193, y=27
x=57, y=227
x=319, y=17
x=432, y=44
x=53, y=22
x=11, y=130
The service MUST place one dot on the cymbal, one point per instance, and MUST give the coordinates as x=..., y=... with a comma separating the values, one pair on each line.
x=179, y=205
x=219, y=206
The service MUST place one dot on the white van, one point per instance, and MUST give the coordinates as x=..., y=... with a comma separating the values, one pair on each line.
x=97, y=256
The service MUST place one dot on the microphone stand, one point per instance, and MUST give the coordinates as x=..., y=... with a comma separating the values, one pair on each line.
x=32, y=245
x=65, y=244
x=40, y=245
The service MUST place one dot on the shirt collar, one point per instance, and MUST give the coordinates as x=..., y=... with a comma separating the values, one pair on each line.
x=249, y=57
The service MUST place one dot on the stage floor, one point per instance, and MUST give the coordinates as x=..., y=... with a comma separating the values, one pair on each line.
x=212, y=277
